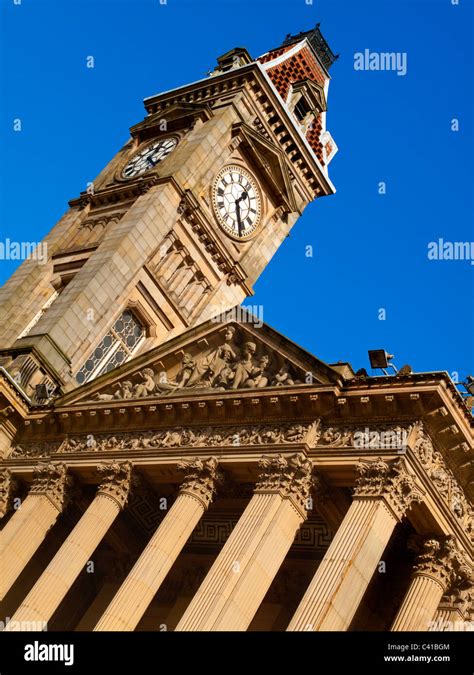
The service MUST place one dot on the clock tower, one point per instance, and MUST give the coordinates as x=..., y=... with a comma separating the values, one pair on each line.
x=212, y=474
x=179, y=224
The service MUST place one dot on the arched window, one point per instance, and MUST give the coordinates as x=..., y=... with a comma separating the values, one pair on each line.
x=115, y=348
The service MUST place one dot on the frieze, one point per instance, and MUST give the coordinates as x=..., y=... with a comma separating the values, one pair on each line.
x=36, y=449
x=176, y=437
x=233, y=364
x=370, y=437
x=196, y=438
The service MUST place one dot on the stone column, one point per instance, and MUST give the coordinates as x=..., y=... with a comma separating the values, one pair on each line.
x=50, y=589
x=383, y=494
x=147, y=575
x=27, y=528
x=236, y=584
x=438, y=567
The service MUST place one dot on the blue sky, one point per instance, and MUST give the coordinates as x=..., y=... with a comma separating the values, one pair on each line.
x=370, y=250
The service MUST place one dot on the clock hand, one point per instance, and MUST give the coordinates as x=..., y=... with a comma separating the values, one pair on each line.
x=243, y=196
x=239, y=221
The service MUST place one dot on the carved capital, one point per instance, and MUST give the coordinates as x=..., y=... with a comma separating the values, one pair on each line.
x=7, y=487
x=54, y=482
x=116, y=481
x=460, y=598
x=390, y=481
x=440, y=559
x=291, y=477
x=442, y=478
x=201, y=477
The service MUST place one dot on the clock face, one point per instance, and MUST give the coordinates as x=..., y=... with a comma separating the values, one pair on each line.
x=149, y=157
x=237, y=201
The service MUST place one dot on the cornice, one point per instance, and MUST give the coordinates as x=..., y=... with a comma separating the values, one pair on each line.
x=212, y=88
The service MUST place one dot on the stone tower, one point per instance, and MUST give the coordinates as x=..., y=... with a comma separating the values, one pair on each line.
x=179, y=224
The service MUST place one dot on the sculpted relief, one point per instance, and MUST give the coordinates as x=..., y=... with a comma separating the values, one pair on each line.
x=229, y=365
x=442, y=478
x=176, y=437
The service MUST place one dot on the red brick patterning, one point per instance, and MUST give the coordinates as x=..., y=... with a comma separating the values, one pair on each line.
x=300, y=66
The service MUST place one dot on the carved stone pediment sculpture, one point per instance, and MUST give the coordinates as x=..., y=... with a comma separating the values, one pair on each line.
x=227, y=358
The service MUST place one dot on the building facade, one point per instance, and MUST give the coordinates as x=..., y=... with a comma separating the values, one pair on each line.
x=169, y=462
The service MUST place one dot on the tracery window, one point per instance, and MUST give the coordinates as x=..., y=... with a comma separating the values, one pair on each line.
x=115, y=348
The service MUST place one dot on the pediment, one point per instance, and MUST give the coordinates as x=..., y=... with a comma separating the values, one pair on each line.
x=234, y=355
x=270, y=162
x=176, y=117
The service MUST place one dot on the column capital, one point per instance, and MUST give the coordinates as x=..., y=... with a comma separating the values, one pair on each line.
x=460, y=598
x=53, y=480
x=440, y=559
x=390, y=480
x=116, y=481
x=291, y=477
x=201, y=477
x=7, y=486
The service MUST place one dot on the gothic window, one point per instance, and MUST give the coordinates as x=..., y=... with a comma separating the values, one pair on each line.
x=116, y=347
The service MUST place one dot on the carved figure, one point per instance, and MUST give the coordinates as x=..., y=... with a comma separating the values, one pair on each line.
x=147, y=386
x=245, y=365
